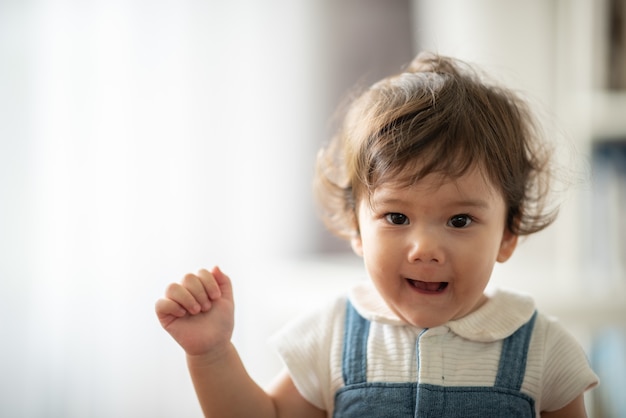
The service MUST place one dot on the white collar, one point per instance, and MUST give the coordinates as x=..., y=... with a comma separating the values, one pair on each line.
x=503, y=313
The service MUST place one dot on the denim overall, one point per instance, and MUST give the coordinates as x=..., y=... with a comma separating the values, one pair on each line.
x=361, y=399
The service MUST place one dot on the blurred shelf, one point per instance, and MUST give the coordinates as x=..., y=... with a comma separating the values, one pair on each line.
x=608, y=114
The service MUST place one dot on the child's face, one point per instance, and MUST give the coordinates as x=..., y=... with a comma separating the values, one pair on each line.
x=430, y=248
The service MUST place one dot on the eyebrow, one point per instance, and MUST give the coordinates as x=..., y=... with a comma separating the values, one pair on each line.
x=475, y=203
x=478, y=203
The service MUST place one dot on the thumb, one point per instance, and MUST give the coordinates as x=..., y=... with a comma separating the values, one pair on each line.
x=224, y=283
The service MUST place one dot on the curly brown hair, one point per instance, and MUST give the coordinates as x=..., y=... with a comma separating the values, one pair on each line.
x=439, y=116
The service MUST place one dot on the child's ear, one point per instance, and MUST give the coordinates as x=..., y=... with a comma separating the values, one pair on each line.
x=507, y=245
x=357, y=244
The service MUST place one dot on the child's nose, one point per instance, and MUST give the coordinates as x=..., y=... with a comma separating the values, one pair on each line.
x=425, y=246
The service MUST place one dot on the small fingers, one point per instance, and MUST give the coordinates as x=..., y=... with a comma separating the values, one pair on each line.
x=210, y=283
x=185, y=297
x=223, y=282
x=167, y=307
x=195, y=284
x=194, y=294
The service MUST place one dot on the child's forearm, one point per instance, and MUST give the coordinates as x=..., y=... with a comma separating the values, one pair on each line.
x=225, y=389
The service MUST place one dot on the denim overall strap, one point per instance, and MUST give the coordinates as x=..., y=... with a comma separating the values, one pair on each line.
x=512, y=367
x=354, y=367
x=359, y=398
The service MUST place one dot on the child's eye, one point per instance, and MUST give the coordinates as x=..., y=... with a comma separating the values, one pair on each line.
x=397, y=219
x=460, y=221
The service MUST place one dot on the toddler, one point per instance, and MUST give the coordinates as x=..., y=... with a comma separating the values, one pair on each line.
x=432, y=177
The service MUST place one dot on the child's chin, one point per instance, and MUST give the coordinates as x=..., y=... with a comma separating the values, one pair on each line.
x=425, y=321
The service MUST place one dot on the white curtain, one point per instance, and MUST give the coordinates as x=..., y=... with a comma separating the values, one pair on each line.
x=140, y=140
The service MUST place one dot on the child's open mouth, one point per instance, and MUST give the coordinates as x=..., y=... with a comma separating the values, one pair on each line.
x=428, y=287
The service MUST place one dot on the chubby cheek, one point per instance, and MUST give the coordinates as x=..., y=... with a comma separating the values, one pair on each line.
x=477, y=270
x=381, y=259
x=372, y=243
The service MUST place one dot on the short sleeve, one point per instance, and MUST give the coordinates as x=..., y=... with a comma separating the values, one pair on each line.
x=309, y=346
x=567, y=372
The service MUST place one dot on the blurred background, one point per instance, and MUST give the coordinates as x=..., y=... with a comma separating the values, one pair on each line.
x=140, y=140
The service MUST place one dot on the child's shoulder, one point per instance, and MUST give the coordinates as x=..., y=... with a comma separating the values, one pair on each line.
x=318, y=320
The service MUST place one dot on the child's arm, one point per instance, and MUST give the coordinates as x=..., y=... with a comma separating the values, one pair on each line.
x=199, y=314
x=574, y=409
